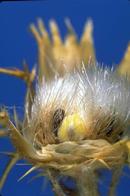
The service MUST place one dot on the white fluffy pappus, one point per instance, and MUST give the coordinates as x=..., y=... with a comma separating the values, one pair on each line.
x=98, y=97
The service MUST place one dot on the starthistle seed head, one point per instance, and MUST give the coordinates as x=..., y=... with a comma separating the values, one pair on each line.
x=76, y=122
x=93, y=103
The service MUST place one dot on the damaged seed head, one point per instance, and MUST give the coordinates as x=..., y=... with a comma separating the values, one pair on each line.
x=88, y=104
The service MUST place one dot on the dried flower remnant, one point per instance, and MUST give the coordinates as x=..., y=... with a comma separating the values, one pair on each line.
x=124, y=67
x=76, y=121
x=57, y=56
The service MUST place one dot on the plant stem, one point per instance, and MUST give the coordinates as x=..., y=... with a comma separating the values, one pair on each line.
x=87, y=184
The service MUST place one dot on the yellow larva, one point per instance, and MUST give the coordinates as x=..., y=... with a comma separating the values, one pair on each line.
x=73, y=128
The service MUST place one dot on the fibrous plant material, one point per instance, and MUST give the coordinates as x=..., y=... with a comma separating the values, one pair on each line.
x=124, y=65
x=77, y=118
x=56, y=56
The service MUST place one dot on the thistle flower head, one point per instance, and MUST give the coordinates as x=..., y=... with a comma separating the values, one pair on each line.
x=92, y=103
x=77, y=120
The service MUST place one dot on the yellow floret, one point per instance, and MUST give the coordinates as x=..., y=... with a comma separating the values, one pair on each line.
x=73, y=128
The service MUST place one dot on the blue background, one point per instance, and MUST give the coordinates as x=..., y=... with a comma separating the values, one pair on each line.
x=111, y=36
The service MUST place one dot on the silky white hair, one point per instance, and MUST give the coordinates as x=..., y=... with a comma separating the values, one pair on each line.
x=104, y=88
x=99, y=94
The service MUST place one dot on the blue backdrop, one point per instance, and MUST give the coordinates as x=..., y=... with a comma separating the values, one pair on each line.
x=111, y=36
